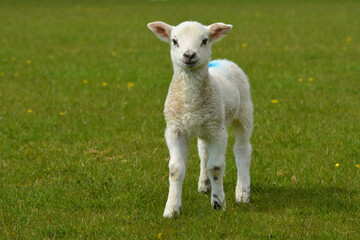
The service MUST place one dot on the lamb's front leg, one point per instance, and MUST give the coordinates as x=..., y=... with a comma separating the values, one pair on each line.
x=216, y=169
x=178, y=146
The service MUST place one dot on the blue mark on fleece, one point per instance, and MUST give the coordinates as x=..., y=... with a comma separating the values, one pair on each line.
x=215, y=63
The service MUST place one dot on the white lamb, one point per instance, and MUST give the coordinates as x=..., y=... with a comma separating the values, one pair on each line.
x=203, y=99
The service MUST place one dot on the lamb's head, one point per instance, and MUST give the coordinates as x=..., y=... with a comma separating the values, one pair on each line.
x=190, y=42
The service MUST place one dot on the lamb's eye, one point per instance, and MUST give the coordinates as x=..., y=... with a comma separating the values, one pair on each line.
x=175, y=42
x=204, y=41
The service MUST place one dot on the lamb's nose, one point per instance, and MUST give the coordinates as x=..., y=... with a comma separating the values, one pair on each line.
x=190, y=55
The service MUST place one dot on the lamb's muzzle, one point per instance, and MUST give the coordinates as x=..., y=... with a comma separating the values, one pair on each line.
x=190, y=57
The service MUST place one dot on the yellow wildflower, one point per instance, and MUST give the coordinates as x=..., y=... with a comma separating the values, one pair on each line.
x=85, y=81
x=104, y=84
x=357, y=165
x=274, y=101
x=348, y=40
x=130, y=85
x=13, y=59
x=29, y=111
x=337, y=164
x=244, y=45
x=129, y=50
x=2, y=74
x=28, y=61
x=61, y=114
x=113, y=54
x=16, y=74
x=159, y=235
x=300, y=79
x=310, y=79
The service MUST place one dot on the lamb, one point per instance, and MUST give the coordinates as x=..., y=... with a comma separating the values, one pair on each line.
x=203, y=99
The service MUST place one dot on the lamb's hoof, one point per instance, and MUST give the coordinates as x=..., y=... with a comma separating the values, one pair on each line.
x=217, y=205
x=204, y=186
x=243, y=197
x=204, y=189
x=172, y=213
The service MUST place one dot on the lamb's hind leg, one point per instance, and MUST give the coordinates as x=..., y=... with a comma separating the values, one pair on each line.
x=242, y=152
x=204, y=181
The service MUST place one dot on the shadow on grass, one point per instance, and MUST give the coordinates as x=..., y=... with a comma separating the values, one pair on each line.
x=321, y=199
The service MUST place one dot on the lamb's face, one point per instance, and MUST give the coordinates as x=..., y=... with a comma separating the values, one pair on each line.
x=190, y=45
x=190, y=41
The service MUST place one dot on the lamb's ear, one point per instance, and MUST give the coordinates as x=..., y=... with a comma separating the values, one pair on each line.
x=161, y=30
x=218, y=30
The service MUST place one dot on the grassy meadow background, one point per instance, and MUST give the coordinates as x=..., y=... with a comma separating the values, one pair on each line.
x=82, y=148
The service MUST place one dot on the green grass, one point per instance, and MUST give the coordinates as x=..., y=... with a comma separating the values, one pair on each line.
x=99, y=171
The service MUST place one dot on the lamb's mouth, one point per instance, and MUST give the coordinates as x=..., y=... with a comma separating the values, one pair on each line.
x=190, y=63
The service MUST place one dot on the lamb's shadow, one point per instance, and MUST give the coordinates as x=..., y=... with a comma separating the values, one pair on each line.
x=323, y=199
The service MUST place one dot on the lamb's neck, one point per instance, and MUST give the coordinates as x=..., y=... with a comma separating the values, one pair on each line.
x=192, y=82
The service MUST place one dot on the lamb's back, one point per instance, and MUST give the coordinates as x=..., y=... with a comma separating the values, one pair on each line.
x=234, y=86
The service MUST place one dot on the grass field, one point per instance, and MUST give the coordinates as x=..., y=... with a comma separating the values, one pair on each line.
x=82, y=148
